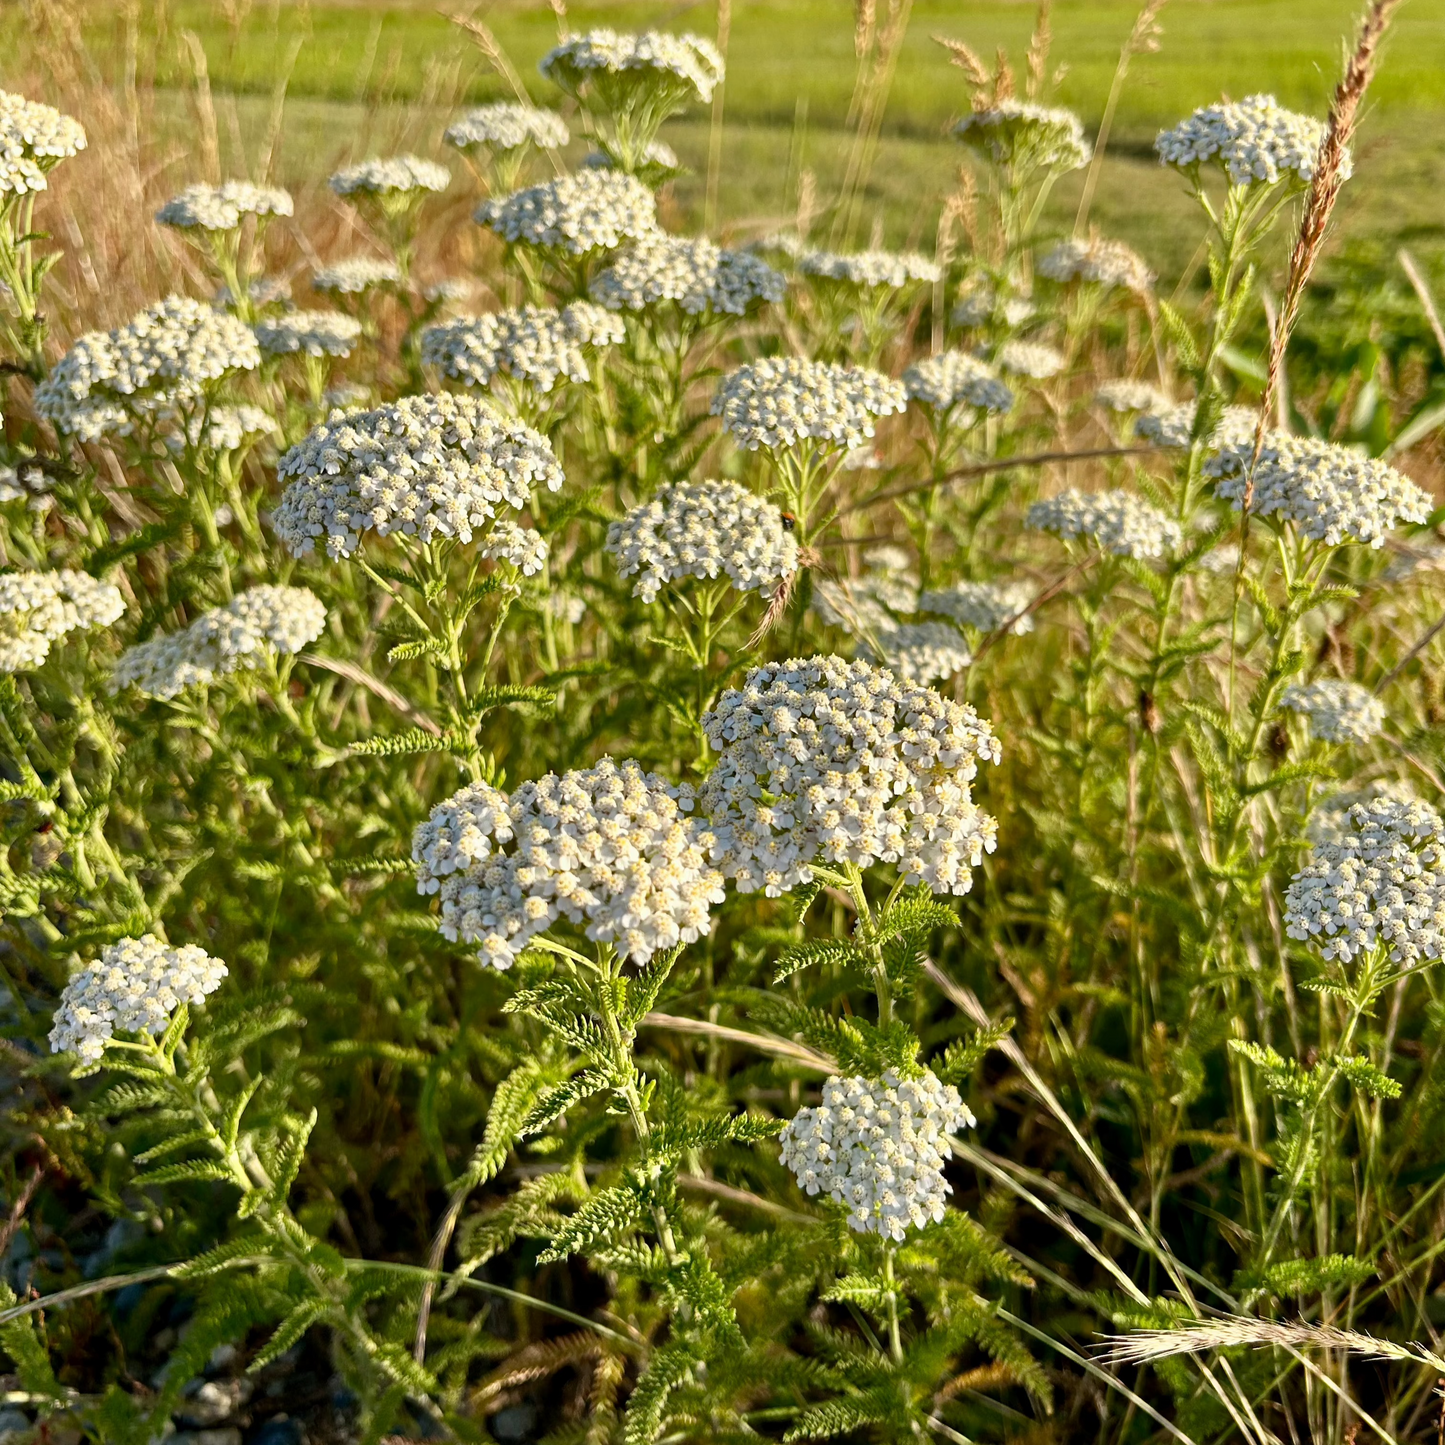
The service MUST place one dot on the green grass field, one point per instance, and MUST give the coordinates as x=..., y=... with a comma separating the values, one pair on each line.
x=372, y=73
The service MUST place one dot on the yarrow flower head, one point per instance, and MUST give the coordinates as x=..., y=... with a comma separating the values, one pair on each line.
x=656, y=163
x=1117, y=522
x=1106, y=263
x=34, y=139
x=223, y=207
x=390, y=176
x=240, y=636
x=1381, y=885
x=39, y=608
x=222, y=428
x=612, y=849
x=308, y=333
x=703, y=530
x=617, y=66
x=1029, y=358
x=426, y=466
x=135, y=986
x=1255, y=139
x=505, y=126
x=1125, y=396
x=984, y=606
x=1026, y=136
x=1173, y=426
x=1329, y=820
x=822, y=760
x=590, y=211
x=1338, y=711
x=356, y=275
x=523, y=547
x=957, y=377
x=922, y=652
x=869, y=269
x=979, y=305
x=533, y=343
x=1331, y=493
x=694, y=273
x=878, y=1146
x=781, y=401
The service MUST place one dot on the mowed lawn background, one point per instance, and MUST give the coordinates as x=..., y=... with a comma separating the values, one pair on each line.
x=365, y=76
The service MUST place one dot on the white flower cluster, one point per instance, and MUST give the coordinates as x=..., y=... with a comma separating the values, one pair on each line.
x=870, y=268
x=698, y=275
x=1338, y=711
x=263, y=291
x=135, y=986
x=1381, y=885
x=234, y=638
x=223, y=428
x=534, y=343
x=780, y=401
x=1254, y=139
x=703, y=529
x=504, y=126
x=309, y=333
x=954, y=377
x=878, y=1146
x=224, y=207
x=1329, y=822
x=610, y=848
x=177, y=347
x=922, y=652
x=979, y=305
x=38, y=608
x=355, y=275
x=659, y=161
x=33, y=138
x=26, y=482
x=426, y=466
x=1029, y=358
x=523, y=547
x=589, y=211
x=984, y=606
x=391, y=175
x=833, y=761
x=654, y=55
x=1117, y=522
x=1331, y=493
x=1140, y=396
x=1172, y=426
x=1020, y=133
x=1108, y=263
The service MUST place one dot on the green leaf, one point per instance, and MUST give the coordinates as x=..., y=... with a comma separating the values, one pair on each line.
x=412, y=740
x=667, y=1368
x=605, y=1215
x=557, y=1101
x=963, y=1056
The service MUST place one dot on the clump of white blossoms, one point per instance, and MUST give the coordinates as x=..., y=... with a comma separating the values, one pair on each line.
x=356, y=275
x=957, y=377
x=242, y=635
x=1029, y=358
x=657, y=162
x=533, y=343
x=1104, y=262
x=1254, y=139
x=1329, y=820
x=922, y=652
x=39, y=608
x=612, y=849
x=693, y=272
x=308, y=333
x=223, y=428
x=425, y=466
x=614, y=66
x=1329, y=492
x=826, y=761
x=135, y=986
x=781, y=401
x=1338, y=711
x=1021, y=134
x=1117, y=522
x=178, y=347
x=390, y=176
x=870, y=268
x=504, y=126
x=1381, y=885
x=981, y=304
x=1173, y=426
x=34, y=139
x=878, y=1146
x=224, y=207
x=590, y=211
x=984, y=606
x=703, y=530
x=1125, y=396
x=525, y=548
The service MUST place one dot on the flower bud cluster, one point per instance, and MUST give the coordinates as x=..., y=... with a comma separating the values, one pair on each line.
x=1338, y=711
x=984, y=606
x=703, y=529
x=426, y=466
x=39, y=608
x=696, y=274
x=612, y=849
x=533, y=343
x=1117, y=522
x=593, y=210
x=822, y=760
x=1021, y=134
x=781, y=401
x=34, y=138
x=135, y=986
x=1029, y=358
x=308, y=333
x=355, y=275
x=953, y=377
x=224, y=207
x=646, y=59
x=1107, y=263
x=1254, y=139
x=391, y=175
x=870, y=268
x=1381, y=885
x=505, y=126
x=237, y=637
x=878, y=1146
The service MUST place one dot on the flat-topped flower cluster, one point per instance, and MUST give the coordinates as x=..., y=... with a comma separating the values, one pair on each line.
x=1254, y=139
x=781, y=401
x=37, y=609
x=536, y=344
